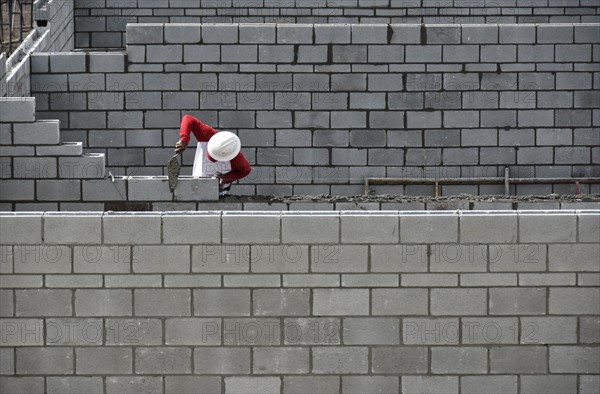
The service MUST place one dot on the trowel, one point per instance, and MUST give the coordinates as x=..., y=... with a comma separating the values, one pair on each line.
x=173, y=167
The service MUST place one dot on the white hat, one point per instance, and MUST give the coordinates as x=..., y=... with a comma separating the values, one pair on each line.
x=224, y=146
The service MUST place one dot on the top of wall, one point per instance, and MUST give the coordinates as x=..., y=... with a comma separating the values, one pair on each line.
x=101, y=23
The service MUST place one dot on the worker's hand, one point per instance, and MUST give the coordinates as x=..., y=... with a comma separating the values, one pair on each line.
x=222, y=183
x=180, y=146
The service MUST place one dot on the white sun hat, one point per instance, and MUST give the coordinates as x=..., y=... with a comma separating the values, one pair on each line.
x=224, y=146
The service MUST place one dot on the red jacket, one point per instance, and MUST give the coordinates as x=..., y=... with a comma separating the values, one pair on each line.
x=239, y=165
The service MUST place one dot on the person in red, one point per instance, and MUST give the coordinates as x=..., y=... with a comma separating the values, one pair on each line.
x=217, y=154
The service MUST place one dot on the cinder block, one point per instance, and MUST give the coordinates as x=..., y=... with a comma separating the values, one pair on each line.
x=41, y=259
x=222, y=361
x=44, y=360
x=405, y=360
x=300, y=228
x=430, y=384
x=517, y=257
x=257, y=33
x=332, y=34
x=399, y=258
x=294, y=34
x=574, y=359
x=479, y=331
x=67, y=229
x=517, y=34
x=573, y=257
x=371, y=331
x=340, y=360
x=73, y=385
x=104, y=361
x=339, y=258
x=145, y=33
x=191, y=332
x=20, y=281
x=103, y=302
x=161, y=259
x=247, y=385
x=107, y=62
x=423, y=53
x=241, y=228
x=589, y=227
x=14, y=330
x=187, y=228
x=459, y=360
x=42, y=302
x=163, y=360
x=290, y=360
x=142, y=384
x=220, y=33
x=489, y=228
x=163, y=302
x=548, y=330
x=17, y=109
x=364, y=384
x=298, y=332
x=443, y=34
x=479, y=34
x=544, y=228
x=39, y=132
x=67, y=62
x=458, y=302
x=519, y=301
x=281, y=302
x=20, y=228
x=429, y=228
x=488, y=384
x=406, y=34
x=369, y=34
x=148, y=332
x=188, y=33
x=518, y=359
x=570, y=301
x=102, y=259
x=335, y=302
x=132, y=229
x=30, y=385
x=221, y=302
x=400, y=302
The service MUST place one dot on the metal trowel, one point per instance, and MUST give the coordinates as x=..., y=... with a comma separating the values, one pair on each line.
x=173, y=167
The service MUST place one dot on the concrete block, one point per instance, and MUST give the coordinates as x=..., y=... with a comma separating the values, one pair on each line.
x=357, y=228
x=340, y=360
x=291, y=360
x=187, y=33
x=104, y=361
x=574, y=301
x=300, y=228
x=257, y=34
x=364, y=384
x=430, y=384
x=332, y=34
x=549, y=384
x=41, y=302
x=371, y=331
x=459, y=360
x=222, y=361
x=7, y=305
x=40, y=259
x=39, y=132
x=219, y=33
x=162, y=302
x=20, y=228
x=186, y=228
x=187, y=384
x=240, y=228
x=479, y=34
x=38, y=361
x=67, y=62
x=543, y=228
x=163, y=360
x=429, y=229
x=443, y=34
x=589, y=227
x=161, y=259
x=17, y=109
x=281, y=302
x=335, y=302
x=399, y=258
x=502, y=230
x=252, y=385
x=145, y=33
x=132, y=228
x=102, y=259
x=103, y=303
x=517, y=301
x=549, y=330
x=573, y=257
x=430, y=331
x=107, y=62
x=399, y=302
x=404, y=360
x=148, y=332
x=294, y=34
x=519, y=257
x=67, y=229
x=73, y=385
x=186, y=332
x=22, y=332
x=406, y=34
x=276, y=53
x=517, y=34
x=217, y=302
x=29, y=385
x=135, y=384
x=488, y=384
x=369, y=34
x=308, y=280
x=514, y=359
x=423, y=54
x=352, y=54
x=458, y=301
x=477, y=331
x=574, y=359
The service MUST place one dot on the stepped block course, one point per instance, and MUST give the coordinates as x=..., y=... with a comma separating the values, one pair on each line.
x=501, y=303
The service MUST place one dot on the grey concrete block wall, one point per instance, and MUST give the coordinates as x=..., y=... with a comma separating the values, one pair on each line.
x=101, y=24
x=321, y=107
x=177, y=302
